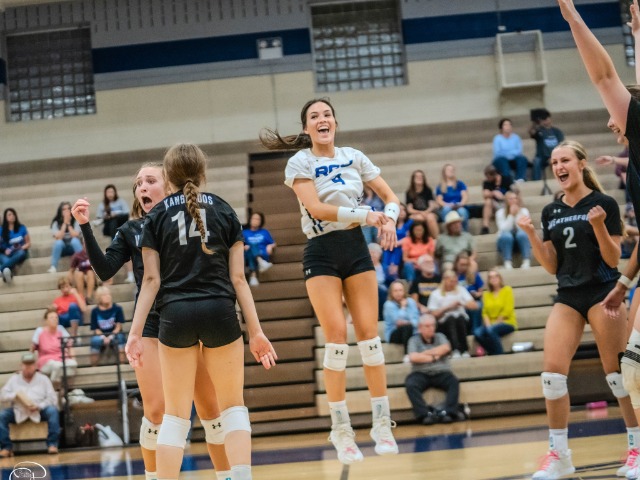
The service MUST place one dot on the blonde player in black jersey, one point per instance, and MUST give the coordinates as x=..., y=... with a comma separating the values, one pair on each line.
x=328, y=182
x=581, y=246
x=148, y=190
x=192, y=246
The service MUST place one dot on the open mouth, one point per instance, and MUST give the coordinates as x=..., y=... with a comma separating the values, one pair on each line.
x=146, y=201
x=563, y=177
x=323, y=130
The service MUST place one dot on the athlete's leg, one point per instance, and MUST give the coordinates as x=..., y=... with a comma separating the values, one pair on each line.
x=204, y=396
x=178, y=366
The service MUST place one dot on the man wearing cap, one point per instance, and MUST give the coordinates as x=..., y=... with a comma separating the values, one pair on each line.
x=32, y=397
x=453, y=241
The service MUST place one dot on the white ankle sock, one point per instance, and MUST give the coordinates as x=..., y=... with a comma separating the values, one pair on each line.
x=380, y=407
x=339, y=412
x=226, y=475
x=241, y=472
x=633, y=437
x=558, y=439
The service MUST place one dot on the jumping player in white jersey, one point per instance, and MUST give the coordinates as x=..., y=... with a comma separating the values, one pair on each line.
x=192, y=245
x=581, y=246
x=328, y=182
x=148, y=190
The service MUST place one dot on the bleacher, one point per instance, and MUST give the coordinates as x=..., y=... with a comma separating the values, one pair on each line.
x=290, y=397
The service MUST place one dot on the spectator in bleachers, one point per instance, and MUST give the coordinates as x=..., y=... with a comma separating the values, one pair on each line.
x=498, y=314
x=429, y=356
x=507, y=152
x=70, y=306
x=469, y=278
x=371, y=199
x=417, y=243
x=494, y=188
x=82, y=274
x=448, y=304
x=421, y=204
x=453, y=241
x=14, y=244
x=547, y=137
x=47, y=341
x=392, y=259
x=32, y=397
x=400, y=314
x=510, y=234
x=66, y=234
x=452, y=195
x=375, y=250
x=113, y=211
x=426, y=281
x=107, y=319
x=258, y=247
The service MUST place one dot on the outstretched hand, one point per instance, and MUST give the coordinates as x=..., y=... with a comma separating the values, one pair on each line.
x=568, y=9
x=635, y=18
x=80, y=210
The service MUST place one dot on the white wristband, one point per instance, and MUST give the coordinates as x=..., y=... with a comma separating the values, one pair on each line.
x=352, y=215
x=392, y=210
x=626, y=281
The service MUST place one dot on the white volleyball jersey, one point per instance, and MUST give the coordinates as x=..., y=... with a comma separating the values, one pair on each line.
x=338, y=181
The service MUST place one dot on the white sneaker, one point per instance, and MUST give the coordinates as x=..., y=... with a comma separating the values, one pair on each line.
x=263, y=265
x=6, y=275
x=381, y=434
x=508, y=265
x=52, y=269
x=465, y=355
x=631, y=474
x=526, y=263
x=342, y=436
x=630, y=464
x=455, y=354
x=253, y=282
x=555, y=466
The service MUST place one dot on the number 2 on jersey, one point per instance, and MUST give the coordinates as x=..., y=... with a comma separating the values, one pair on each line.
x=569, y=233
x=193, y=231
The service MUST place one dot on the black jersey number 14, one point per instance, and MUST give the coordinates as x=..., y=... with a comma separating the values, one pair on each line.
x=193, y=231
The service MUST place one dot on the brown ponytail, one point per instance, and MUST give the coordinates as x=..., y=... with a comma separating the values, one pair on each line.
x=191, y=191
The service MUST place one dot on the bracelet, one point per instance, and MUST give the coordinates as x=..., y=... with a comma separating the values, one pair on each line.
x=392, y=210
x=352, y=215
x=626, y=281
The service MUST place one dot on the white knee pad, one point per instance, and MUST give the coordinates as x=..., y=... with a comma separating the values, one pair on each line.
x=335, y=356
x=554, y=385
x=235, y=418
x=631, y=381
x=213, y=431
x=149, y=434
x=371, y=352
x=616, y=385
x=173, y=431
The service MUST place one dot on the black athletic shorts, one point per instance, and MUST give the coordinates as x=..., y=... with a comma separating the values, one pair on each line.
x=212, y=321
x=152, y=325
x=582, y=298
x=342, y=254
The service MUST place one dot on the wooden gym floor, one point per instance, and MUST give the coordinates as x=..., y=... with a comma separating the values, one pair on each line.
x=497, y=448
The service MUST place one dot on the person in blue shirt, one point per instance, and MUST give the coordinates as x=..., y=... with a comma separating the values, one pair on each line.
x=258, y=247
x=507, y=152
x=401, y=314
x=107, y=319
x=14, y=243
x=452, y=194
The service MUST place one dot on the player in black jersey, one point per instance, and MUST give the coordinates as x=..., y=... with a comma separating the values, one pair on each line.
x=192, y=246
x=623, y=105
x=581, y=246
x=148, y=190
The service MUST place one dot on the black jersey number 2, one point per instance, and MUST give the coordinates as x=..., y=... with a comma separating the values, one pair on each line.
x=193, y=231
x=569, y=233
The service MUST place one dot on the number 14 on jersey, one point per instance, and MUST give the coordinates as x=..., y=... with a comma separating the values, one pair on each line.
x=193, y=231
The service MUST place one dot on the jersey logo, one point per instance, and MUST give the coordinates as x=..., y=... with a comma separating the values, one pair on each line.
x=325, y=170
x=307, y=271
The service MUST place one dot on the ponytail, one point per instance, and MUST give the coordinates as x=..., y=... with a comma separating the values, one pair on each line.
x=191, y=196
x=591, y=180
x=272, y=140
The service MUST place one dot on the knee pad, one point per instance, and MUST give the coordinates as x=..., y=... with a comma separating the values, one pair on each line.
x=616, y=385
x=554, y=385
x=213, y=431
x=148, y=434
x=173, y=431
x=335, y=356
x=371, y=352
x=235, y=418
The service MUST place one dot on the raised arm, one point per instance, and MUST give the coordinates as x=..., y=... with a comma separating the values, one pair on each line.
x=544, y=252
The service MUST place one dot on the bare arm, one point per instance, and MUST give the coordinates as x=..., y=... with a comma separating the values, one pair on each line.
x=544, y=252
x=609, y=245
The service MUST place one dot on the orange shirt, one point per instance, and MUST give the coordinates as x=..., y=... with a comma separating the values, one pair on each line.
x=63, y=302
x=415, y=250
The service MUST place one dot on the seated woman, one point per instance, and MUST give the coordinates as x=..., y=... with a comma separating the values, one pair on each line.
x=421, y=205
x=415, y=244
x=498, y=314
x=113, y=211
x=509, y=234
x=452, y=195
x=470, y=278
x=400, y=314
x=66, y=235
x=107, y=319
x=82, y=274
x=448, y=304
x=258, y=247
x=14, y=244
x=47, y=341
